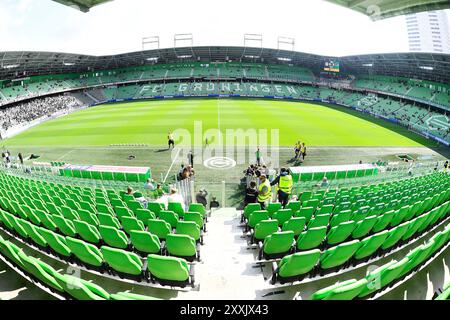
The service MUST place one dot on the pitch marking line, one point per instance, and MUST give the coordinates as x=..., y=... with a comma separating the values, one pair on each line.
x=171, y=166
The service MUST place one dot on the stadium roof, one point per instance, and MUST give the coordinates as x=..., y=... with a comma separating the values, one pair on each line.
x=82, y=5
x=426, y=66
x=382, y=9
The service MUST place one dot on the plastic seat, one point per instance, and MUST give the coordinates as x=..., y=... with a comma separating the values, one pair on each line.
x=182, y=246
x=113, y=237
x=399, y=216
x=250, y=208
x=177, y=208
x=88, y=217
x=338, y=255
x=33, y=233
x=130, y=296
x=46, y=220
x=263, y=229
x=341, y=217
x=80, y=289
x=132, y=224
x=383, y=221
x=294, y=206
x=144, y=215
x=277, y=245
x=364, y=227
x=104, y=209
x=383, y=276
x=326, y=209
x=394, y=236
x=189, y=228
x=160, y=228
x=297, y=264
x=297, y=225
x=122, y=261
x=312, y=238
x=273, y=207
x=341, y=232
x=305, y=212
x=170, y=217
x=33, y=267
x=123, y=212
x=86, y=252
x=65, y=226
x=145, y=242
x=155, y=207
x=370, y=245
x=195, y=217
x=197, y=207
x=87, y=232
x=347, y=290
x=56, y=242
x=69, y=213
x=282, y=216
x=108, y=220
x=319, y=221
x=256, y=217
x=170, y=269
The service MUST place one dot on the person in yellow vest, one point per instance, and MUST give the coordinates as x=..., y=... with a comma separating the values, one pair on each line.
x=285, y=183
x=264, y=191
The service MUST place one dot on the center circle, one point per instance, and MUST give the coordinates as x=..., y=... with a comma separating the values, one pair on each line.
x=219, y=163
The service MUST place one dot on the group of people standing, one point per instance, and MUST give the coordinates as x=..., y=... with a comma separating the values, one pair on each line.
x=300, y=151
x=262, y=193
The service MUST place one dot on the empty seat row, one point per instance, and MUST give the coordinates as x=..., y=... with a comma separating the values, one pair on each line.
x=387, y=274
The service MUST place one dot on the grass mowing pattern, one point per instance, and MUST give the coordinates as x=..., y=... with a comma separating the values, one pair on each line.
x=148, y=122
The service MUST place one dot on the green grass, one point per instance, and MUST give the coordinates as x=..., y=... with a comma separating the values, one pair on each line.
x=148, y=122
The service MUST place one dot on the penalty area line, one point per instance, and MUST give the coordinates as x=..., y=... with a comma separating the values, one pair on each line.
x=171, y=166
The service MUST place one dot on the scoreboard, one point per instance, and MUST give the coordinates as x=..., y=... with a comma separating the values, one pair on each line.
x=332, y=65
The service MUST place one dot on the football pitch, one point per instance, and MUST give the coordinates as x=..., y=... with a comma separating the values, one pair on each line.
x=334, y=135
x=148, y=122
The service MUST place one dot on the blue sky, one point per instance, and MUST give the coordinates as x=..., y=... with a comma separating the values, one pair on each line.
x=116, y=27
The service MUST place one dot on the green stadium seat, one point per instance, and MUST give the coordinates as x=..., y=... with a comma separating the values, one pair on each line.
x=347, y=290
x=342, y=216
x=171, y=269
x=282, y=216
x=123, y=212
x=364, y=227
x=33, y=233
x=113, y=237
x=195, y=217
x=132, y=224
x=122, y=261
x=311, y=238
x=88, y=217
x=177, y=208
x=86, y=252
x=56, y=242
x=263, y=229
x=145, y=242
x=170, y=217
x=144, y=215
x=130, y=296
x=251, y=207
x=277, y=245
x=297, y=225
x=338, y=255
x=341, y=232
x=104, y=209
x=189, y=228
x=297, y=264
x=65, y=226
x=160, y=228
x=182, y=246
x=87, y=232
x=80, y=289
x=383, y=221
x=383, y=276
x=197, y=207
x=155, y=207
x=319, y=221
x=256, y=217
x=273, y=207
x=294, y=206
x=371, y=244
x=394, y=235
x=108, y=220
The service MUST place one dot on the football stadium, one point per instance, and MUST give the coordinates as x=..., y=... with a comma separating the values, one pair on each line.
x=225, y=172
